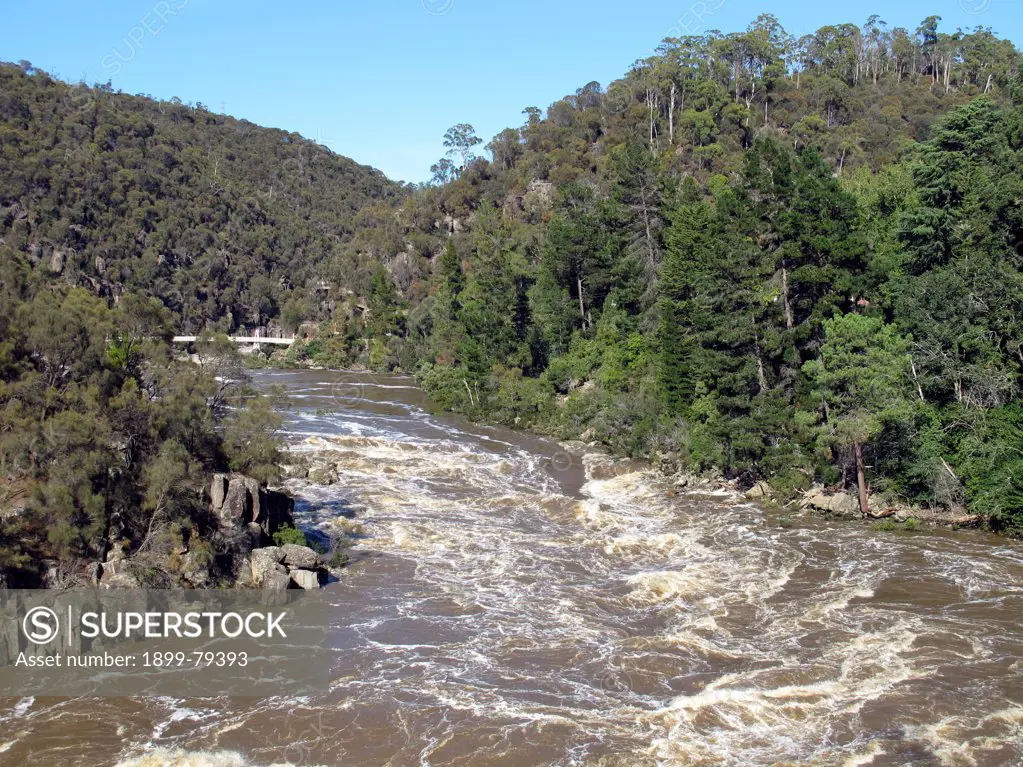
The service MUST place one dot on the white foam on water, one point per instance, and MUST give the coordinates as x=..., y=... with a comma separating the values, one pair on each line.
x=703, y=565
x=964, y=741
x=163, y=757
x=179, y=713
x=626, y=624
x=23, y=706
x=864, y=757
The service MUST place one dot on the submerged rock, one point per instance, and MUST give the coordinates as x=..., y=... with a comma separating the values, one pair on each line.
x=323, y=475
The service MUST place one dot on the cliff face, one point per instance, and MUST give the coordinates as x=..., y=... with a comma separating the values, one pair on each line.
x=242, y=503
x=246, y=516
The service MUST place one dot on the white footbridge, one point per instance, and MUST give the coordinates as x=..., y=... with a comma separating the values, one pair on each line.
x=241, y=340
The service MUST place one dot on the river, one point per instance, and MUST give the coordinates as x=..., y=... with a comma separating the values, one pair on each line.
x=514, y=604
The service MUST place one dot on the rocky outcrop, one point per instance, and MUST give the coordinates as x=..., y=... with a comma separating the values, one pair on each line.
x=240, y=501
x=847, y=506
x=248, y=515
x=195, y=569
x=275, y=586
x=118, y=574
x=57, y=262
x=218, y=491
x=264, y=561
x=305, y=579
x=301, y=568
x=839, y=504
x=9, y=634
x=300, y=557
x=120, y=581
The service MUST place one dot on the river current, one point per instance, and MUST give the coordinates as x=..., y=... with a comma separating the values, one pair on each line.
x=517, y=604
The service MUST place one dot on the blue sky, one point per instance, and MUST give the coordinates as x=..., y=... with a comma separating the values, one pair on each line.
x=381, y=80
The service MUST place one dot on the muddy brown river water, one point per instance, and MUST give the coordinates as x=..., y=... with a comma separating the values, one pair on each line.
x=515, y=605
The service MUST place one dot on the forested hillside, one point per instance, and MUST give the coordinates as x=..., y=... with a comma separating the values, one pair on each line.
x=781, y=258
x=773, y=257
x=218, y=218
x=122, y=222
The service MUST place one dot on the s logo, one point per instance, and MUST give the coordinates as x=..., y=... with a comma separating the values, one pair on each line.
x=41, y=625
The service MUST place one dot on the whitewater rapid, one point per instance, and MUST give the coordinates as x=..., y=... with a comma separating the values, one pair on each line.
x=513, y=602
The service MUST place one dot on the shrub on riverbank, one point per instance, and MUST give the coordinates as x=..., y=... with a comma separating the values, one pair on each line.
x=109, y=439
x=288, y=534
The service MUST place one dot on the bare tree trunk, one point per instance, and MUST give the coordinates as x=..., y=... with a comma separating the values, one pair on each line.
x=790, y=321
x=653, y=117
x=761, y=375
x=916, y=380
x=671, y=117
x=582, y=306
x=861, y=480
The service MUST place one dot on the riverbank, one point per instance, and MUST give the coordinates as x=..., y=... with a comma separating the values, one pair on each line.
x=886, y=513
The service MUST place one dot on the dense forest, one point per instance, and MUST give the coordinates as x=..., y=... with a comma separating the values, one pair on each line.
x=793, y=259
x=218, y=218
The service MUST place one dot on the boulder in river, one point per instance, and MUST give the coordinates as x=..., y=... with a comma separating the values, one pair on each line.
x=841, y=504
x=302, y=567
x=264, y=561
x=296, y=466
x=275, y=586
x=300, y=557
x=760, y=490
x=305, y=579
x=323, y=475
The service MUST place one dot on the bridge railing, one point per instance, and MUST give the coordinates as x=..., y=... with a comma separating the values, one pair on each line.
x=241, y=340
